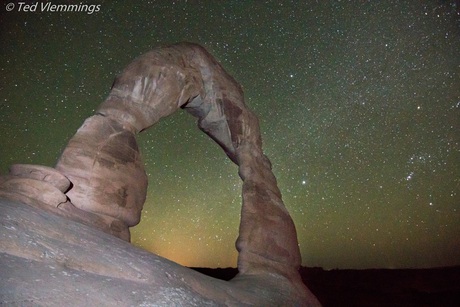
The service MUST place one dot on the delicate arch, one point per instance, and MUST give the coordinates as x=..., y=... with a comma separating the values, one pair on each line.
x=108, y=182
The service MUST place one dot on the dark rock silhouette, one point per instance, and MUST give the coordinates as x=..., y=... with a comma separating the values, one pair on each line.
x=375, y=287
x=385, y=287
x=100, y=181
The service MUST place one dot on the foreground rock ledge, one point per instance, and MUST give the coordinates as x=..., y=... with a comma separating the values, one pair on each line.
x=47, y=260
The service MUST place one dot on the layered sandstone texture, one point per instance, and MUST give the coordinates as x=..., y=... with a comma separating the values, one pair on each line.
x=100, y=181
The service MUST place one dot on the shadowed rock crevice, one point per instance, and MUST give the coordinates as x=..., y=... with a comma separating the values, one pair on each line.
x=107, y=185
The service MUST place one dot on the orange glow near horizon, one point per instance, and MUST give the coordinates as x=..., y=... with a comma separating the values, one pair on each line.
x=192, y=256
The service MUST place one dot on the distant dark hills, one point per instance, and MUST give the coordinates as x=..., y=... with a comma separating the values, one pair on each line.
x=375, y=287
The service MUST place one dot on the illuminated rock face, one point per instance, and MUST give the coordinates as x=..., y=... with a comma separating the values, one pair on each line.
x=104, y=165
x=108, y=181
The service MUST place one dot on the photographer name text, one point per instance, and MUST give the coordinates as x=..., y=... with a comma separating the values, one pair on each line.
x=50, y=7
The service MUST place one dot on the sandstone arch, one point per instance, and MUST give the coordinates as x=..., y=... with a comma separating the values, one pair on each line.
x=108, y=181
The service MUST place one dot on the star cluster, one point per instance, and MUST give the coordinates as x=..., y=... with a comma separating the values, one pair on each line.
x=358, y=103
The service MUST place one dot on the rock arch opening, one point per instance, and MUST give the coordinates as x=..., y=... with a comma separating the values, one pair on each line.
x=100, y=180
x=103, y=161
x=193, y=203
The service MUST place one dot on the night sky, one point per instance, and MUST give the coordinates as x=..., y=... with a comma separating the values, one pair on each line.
x=359, y=106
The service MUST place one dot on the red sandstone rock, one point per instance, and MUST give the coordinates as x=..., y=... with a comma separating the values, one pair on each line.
x=32, y=192
x=42, y=187
x=43, y=173
x=48, y=260
x=109, y=183
x=103, y=162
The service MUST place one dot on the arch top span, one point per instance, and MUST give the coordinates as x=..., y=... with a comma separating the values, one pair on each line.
x=186, y=76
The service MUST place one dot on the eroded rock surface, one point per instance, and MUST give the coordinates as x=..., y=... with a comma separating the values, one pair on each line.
x=48, y=260
x=108, y=187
